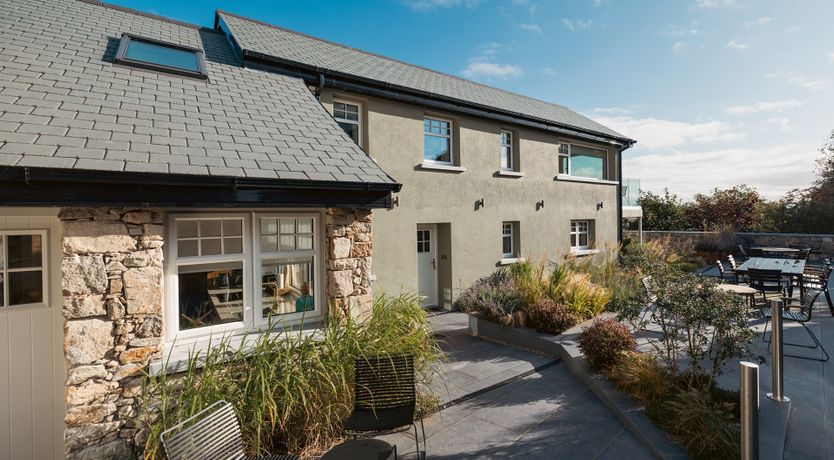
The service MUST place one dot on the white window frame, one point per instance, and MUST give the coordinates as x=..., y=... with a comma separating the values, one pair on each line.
x=358, y=122
x=508, y=147
x=511, y=235
x=316, y=254
x=450, y=136
x=251, y=259
x=44, y=268
x=575, y=234
x=569, y=156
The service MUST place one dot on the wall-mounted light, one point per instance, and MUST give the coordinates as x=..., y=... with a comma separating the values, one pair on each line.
x=599, y=205
x=479, y=204
x=396, y=202
x=539, y=205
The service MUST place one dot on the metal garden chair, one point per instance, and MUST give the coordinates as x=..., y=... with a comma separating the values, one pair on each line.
x=385, y=398
x=724, y=274
x=734, y=268
x=765, y=281
x=801, y=314
x=650, y=308
x=211, y=434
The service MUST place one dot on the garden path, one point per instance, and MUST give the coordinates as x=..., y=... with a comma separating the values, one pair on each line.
x=544, y=412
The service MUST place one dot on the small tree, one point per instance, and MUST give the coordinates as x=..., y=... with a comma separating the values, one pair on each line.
x=662, y=212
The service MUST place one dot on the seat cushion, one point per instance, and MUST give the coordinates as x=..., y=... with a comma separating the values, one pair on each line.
x=363, y=420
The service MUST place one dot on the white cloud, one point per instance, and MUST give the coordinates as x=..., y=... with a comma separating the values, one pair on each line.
x=652, y=133
x=736, y=45
x=783, y=123
x=773, y=171
x=607, y=111
x=532, y=28
x=797, y=79
x=764, y=106
x=831, y=56
x=679, y=46
x=713, y=4
x=762, y=21
x=577, y=24
x=478, y=68
x=428, y=5
x=678, y=32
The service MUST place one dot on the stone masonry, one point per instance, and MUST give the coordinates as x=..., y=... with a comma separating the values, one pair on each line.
x=349, y=253
x=112, y=286
x=113, y=302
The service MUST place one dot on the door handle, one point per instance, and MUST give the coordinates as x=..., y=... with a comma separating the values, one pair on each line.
x=434, y=263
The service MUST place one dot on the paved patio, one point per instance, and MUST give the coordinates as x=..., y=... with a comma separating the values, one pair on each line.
x=540, y=414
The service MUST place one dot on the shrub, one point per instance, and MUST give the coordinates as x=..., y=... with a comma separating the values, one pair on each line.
x=495, y=298
x=640, y=375
x=707, y=427
x=550, y=317
x=603, y=342
x=576, y=290
x=291, y=391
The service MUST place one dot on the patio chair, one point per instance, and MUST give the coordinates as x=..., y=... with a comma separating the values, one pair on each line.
x=742, y=253
x=726, y=275
x=765, y=281
x=816, y=276
x=385, y=398
x=211, y=434
x=734, y=268
x=651, y=307
x=800, y=313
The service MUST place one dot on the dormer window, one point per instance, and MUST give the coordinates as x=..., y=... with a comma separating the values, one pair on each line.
x=164, y=57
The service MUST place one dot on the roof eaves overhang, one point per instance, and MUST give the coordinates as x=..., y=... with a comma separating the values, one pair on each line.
x=25, y=186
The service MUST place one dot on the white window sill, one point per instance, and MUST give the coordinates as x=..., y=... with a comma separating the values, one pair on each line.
x=442, y=167
x=509, y=173
x=588, y=180
x=583, y=252
x=176, y=356
x=511, y=260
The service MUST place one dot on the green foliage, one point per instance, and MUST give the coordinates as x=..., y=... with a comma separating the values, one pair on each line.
x=292, y=390
x=604, y=341
x=640, y=375
x=496, y=298
x=550, y=317
x=662, y=212
x=708, y=428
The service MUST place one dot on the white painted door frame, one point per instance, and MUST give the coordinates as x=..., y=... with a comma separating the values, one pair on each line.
x=427, y=279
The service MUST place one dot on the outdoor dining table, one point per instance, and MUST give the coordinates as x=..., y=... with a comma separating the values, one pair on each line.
x=770, y=249
x=790, y=268
x=740, y=290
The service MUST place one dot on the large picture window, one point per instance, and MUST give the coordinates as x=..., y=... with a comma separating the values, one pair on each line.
x=22, y=268
x=437, y=141
x=228, y=277
x=581, y=161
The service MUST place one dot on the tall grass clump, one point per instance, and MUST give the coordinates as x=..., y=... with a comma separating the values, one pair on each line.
x=292, y=391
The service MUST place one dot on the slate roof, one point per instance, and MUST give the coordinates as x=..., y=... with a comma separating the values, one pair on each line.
x=323, y=55
x=64, y=104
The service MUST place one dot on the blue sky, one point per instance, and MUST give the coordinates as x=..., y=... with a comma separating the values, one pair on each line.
x=717, y=92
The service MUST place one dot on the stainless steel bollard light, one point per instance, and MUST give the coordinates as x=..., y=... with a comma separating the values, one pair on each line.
x=776, y=348
x=749, y=389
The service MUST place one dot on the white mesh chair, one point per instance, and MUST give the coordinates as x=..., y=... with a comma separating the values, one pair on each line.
x=211, y=434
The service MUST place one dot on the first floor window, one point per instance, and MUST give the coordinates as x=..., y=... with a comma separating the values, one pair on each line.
x=22, y=268
x=349, y=118
x=507, y=151
x=509, y=246
x=437, y=140
x=579, y=234
x=581, y=161
x=228, y=277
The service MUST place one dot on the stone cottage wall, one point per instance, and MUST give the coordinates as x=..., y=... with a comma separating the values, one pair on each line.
x=112, y=286
x=113, y=302
x=349, y=253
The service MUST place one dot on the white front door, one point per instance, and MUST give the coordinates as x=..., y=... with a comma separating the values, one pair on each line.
x=427, y=264
x=31, y=337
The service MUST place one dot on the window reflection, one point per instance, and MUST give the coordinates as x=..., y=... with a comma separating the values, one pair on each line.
x=210, y=294
x=287, y=286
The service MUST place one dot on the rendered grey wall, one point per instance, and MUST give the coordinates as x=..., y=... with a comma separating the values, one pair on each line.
x=393, y=135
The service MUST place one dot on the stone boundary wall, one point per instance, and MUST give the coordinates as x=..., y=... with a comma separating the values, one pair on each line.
x=112, y=287
x=112, y=282
x=822, y=244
